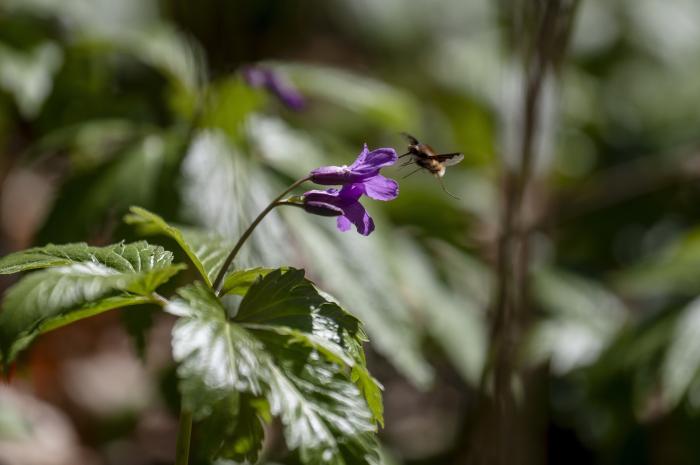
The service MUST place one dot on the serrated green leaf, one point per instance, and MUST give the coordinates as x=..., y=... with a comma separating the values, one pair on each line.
x=207, y=251
x=287, y=303
x=239, y=281
x=289, y=299
x=134, y=257
x=305, y=382
x=91, y=280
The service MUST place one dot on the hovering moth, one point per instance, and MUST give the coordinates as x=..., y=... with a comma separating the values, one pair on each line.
x=426, y=158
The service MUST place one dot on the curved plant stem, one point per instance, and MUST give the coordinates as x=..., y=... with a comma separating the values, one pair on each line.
x=184, y=432
x=218, y=282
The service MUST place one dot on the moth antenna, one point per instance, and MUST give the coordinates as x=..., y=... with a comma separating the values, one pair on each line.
x=412, y=172
x=442, y=184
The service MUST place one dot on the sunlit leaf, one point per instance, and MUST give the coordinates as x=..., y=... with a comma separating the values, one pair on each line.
x=207, y=251
x=286, y=303
x=239, y=281
x=134, y=257
x=324, y=414
x=91, y=281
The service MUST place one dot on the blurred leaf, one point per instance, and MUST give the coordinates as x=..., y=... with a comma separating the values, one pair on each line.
x=29, y=77
x=231, y=101
x=455, y=322
x=98, y=279
x=92, y=142
x=378, y=102
x=671, y=270
x=89, y=198
x=164, y=48
x=324, y=414
x=682, y=361
x=207, y=251
x=584, y=319
x=222, y=192
x=284, y=147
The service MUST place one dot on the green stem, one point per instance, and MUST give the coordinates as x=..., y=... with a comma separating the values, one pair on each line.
x=219, y=281
x=182, y=449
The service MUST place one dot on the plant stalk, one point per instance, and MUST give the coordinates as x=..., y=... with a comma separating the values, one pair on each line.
x=219, y=281
x=182, y=448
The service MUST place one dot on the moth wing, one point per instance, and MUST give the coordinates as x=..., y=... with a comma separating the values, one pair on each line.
x=449, y=159
x=410, y=138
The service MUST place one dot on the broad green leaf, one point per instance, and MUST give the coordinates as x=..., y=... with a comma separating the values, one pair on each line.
x=239, y=281
x=207, y=251
x=287, y=303
x=324, y=414
x=133, y=257
x=91, y=280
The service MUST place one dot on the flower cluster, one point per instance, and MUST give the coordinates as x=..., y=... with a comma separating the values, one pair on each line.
x=360, y=178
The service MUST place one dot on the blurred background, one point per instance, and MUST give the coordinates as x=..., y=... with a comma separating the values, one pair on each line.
x=558, y=292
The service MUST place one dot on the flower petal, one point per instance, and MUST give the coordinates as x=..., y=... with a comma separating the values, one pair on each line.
x=335, y=175
x=343, y=223
x=358, y=216
x=360, y=160
x=322, y=208
x=381, y=188
x=351, y=193
x=380, y=158
x=316, y=195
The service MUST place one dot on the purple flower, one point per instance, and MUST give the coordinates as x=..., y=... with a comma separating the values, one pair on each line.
x=360, y=178
x=365, y=171
x=344, y=204
x=261, y=77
